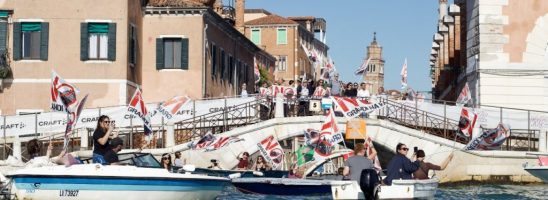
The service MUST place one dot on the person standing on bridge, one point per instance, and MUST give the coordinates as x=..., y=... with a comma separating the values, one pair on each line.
x=400, y=167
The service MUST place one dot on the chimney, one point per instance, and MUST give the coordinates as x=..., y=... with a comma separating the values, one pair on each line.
x=240, y=11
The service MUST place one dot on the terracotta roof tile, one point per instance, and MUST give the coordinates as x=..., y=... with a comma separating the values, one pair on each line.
x=179, y=3
x=302, y=18
x=270, y=19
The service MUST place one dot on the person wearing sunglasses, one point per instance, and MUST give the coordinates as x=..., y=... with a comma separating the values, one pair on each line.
x=166, y=161
x=400, y=167
x=101, y=138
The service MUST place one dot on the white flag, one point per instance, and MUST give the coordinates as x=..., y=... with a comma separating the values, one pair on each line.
x=404, y=74
x=63, y=94
x=363, y=67
x=464, y=95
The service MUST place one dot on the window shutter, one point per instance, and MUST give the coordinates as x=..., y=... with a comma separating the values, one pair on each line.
x=44, y=40
x=17, y=54
x=3, y=36
x=112, y=41
x=184, y=53
x=159, y=53
x=84, y=42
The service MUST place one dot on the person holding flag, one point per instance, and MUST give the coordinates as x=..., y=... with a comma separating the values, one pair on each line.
x=101, y=136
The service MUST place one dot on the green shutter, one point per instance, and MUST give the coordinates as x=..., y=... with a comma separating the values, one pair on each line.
x=98, y=27
x=44, y=40
x=84, y=42
x=112, y=42
x=184, y=53
x=3, y=37
x=159, y=53
x=282, y=36
x=31, y=26
x=17, y=54
x=4, y=13
x=256, y=36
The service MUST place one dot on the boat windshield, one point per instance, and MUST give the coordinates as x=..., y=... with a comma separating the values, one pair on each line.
x=139, y=160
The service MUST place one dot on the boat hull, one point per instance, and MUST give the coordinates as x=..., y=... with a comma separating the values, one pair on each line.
x=146, y=184
x=540, y=172
x=409, y=189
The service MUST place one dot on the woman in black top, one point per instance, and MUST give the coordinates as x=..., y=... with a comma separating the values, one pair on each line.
x=261, y=164
x=101, y=138
x=166, y=161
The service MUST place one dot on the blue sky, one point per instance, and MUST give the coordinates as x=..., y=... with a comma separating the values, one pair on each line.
x=404, y=30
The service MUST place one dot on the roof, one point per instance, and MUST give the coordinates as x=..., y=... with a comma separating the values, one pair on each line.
x=257, y=11
x=302, y=18
x=179, y=3
x=270, y=19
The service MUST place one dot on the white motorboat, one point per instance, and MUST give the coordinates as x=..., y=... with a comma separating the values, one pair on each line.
x=143, y=178
x=409, y=189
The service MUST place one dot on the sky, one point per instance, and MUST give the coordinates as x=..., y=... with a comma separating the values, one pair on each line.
x=404, y=29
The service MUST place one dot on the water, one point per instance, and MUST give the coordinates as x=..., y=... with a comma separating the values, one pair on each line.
x=483, y=192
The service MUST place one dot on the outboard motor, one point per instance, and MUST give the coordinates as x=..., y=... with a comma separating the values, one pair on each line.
x=369, y=183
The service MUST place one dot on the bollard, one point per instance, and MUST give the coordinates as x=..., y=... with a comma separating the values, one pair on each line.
x=279, y=112
x=17, y=147
x=170, y=135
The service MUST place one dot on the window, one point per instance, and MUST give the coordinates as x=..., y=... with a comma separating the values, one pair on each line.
x=98, y=42
x=213, y=60
x=256, y=36
x=281, y=63
x=132, y=45
x=30, y=40
x=172, y=53
x=230, y=69
x=282, y=36
x=3, y=31
x=223, y=63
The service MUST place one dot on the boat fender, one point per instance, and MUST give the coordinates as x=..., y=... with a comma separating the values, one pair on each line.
x=98, y=166
x=256, y=173
x=343, y=187
x=189, y=168
x=235, y=175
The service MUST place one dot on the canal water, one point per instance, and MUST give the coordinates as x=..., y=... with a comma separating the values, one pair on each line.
x=483, y=192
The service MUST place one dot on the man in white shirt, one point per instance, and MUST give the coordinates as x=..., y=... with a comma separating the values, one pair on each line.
x=363, y=92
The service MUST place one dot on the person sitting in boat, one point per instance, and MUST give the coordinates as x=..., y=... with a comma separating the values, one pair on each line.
x=422, y=172
x=214, y=165
x=166, y=161
x=243, y=164
x=103, y=133
x=178, y=161
x=400, y=167
x=354, y=165
x=261, y=164
x=111, y=157
x=293, y=172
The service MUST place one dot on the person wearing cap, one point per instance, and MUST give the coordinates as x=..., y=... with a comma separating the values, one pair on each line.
x=111, y=157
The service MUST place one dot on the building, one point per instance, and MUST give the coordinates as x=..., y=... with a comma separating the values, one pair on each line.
x=166, y=48
x=504, y=55
x=298, y=53
x=374, y=73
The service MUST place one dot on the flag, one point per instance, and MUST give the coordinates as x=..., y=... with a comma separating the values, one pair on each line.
x=351, y=107
x=63, y=94
x=306, y=51
x=467, y=122
x=222, y=142
x=543, y=160
x=272, y=151
x=330, y=132
x=137, y=107
x=369, y=145
x=72, y=120
x=363, y=67
x=203, y=142
x=276, y=89
x=319, y=92
x=404, y=74
x=304, y=155
x=256, y=71
x=464, y=95
x=490, y=139
x=172, y=106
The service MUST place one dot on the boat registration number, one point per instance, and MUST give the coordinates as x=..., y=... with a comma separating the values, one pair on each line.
x=68, y=193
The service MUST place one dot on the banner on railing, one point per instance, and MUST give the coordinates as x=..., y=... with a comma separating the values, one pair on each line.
x=55, y=122
x=490, y=139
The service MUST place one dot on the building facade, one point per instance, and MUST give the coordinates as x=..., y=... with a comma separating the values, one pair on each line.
x=109, y=48
x=374, y=73
x=298, y=53
x=504, y=55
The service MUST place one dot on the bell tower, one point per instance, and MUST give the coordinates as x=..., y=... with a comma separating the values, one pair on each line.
x=374, y=74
